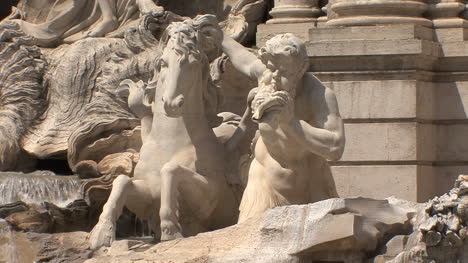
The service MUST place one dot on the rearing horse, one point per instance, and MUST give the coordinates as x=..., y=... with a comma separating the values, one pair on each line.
x=193, y=163
x=179, y=182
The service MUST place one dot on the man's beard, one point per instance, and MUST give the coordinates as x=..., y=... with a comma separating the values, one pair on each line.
x=266, y=102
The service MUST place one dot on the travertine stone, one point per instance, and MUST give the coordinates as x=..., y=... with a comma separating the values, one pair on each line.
x=381, y=142
x=379, y=32
x=384, y=99
x=451, y=100
x=375, y=48
x=452, y=145
x=267, y=31
x=409, y=182
x=451, y=34
x=446, y=174
x=447, y=13
x=295, y=11
x=375, y=12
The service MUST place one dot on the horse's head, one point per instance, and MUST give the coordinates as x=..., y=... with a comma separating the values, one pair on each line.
x=180, y=66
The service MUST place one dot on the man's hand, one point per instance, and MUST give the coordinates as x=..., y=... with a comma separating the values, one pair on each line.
x=250, y=98
x=283, y=113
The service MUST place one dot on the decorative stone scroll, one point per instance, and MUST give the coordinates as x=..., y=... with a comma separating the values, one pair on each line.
x=295, y=11
x=374, y=12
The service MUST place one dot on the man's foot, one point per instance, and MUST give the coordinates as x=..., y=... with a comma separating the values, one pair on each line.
x=152, y=10
x=102, y=235
x=103, y=27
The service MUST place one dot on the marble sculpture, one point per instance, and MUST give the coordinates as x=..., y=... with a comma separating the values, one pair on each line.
x=180, y=183
x=129, y=94
x=299, y=123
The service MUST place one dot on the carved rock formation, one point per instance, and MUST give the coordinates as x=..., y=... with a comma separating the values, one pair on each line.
x=22, y=97
x=47, y=217
x=337, y=230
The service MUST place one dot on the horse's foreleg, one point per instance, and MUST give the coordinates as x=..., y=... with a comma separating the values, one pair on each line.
x=200, y=196
x=104, y=232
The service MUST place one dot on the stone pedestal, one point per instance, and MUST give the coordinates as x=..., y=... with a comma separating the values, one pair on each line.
x=375, y=12
x=295, y=11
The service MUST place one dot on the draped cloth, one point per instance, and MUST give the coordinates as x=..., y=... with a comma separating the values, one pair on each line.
x=54, y=21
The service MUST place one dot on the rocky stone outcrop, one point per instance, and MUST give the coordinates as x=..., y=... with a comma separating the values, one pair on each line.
x=19, y=247
x=335, y=230
x=47, y=217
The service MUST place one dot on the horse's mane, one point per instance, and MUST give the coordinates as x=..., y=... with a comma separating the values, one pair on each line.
x=185, y=41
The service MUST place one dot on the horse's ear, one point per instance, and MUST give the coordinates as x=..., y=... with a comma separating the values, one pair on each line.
x=150, y=93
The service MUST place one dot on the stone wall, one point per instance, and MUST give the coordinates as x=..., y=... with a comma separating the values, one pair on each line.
x=400, y=72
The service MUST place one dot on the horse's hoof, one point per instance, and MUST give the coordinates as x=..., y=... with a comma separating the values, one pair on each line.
x=102, y=235
x=169, y=231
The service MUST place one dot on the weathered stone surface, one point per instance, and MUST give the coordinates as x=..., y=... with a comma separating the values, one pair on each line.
x=380, y=142
x=382, y=181
x=335, y=229
x=47, y=217
x=33, y=247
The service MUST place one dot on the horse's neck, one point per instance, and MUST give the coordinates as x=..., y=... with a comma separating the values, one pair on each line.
x=192, y=127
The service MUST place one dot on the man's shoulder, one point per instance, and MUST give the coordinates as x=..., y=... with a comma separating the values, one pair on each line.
x=311, y=84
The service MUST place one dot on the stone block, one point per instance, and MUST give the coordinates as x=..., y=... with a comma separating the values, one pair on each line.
x=446, y=176
x=427, y=183
x=426, y=142
x=452, y=142
x=381, y=32
x=417, y=183
x=388, y=99
x=267, y=31
x=398, y=99
x=373, y=47
x=370, y=62
x=451, y=101
x=451, y=34
x=455, y=49
x=380, y=142
x=377, y=181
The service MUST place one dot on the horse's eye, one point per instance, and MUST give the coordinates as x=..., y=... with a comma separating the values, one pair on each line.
x=162, y=63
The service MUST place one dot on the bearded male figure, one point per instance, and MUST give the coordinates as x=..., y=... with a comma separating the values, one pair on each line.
x=299, y=125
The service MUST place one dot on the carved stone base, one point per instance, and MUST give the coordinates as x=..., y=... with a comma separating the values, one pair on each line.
x=294, y=11
x=375, y=12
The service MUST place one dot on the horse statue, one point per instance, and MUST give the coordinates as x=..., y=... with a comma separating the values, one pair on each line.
x=179, y=183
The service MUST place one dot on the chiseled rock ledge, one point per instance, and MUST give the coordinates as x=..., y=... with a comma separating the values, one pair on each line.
x=335, y=230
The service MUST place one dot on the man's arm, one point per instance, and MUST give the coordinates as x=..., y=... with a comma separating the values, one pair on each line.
x=242, y=59
x=327, y=141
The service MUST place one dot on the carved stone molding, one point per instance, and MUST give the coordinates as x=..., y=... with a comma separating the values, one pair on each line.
x=375, y=12
x=447, y=14
x=295, y=11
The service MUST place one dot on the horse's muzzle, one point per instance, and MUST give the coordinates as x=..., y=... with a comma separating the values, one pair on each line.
x=173, y=108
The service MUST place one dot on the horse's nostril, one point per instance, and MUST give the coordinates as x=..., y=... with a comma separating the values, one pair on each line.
x=181, y=102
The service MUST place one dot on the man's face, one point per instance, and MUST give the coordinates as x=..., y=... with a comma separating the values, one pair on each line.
x=278, y=58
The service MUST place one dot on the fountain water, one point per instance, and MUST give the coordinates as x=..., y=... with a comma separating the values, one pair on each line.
x=38, y=187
